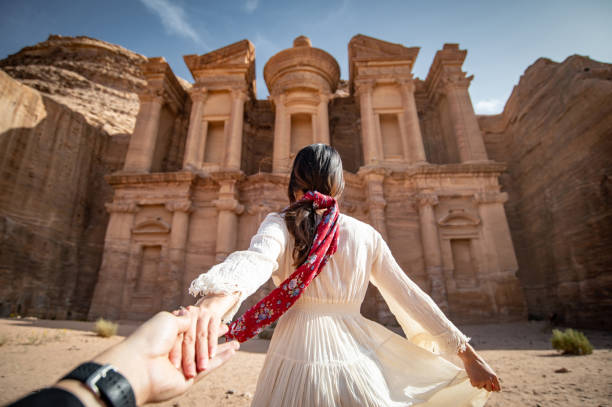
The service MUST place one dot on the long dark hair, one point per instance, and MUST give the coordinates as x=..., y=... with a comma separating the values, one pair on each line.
x=317, y=167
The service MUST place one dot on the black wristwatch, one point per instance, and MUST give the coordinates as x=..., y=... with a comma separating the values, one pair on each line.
x=106, y=382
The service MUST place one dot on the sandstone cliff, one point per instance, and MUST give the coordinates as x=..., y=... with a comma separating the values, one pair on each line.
x=555, y=134
x=52, y=216
x=92, y=77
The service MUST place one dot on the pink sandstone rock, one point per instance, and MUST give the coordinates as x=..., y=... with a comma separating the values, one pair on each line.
x=204, y=163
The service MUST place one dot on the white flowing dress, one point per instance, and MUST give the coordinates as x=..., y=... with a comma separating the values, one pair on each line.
x=323, y=351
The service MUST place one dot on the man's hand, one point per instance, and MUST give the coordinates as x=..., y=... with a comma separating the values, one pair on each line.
x=144, y=357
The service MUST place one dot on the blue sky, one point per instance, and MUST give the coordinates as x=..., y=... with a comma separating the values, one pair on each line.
x=502, y=37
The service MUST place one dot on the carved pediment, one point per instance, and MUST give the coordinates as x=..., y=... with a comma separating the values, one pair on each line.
x=459, y=218
x=363, y=47
x=151, y=226
x=239, y=56
x=371, y=57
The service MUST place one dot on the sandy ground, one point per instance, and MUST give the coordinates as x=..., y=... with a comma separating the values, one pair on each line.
x=35, y=353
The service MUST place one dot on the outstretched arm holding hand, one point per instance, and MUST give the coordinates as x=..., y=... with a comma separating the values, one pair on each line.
x=143, y=359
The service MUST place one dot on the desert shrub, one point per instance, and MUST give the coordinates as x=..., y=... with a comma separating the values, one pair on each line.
x=105, y=328
x=571, y=342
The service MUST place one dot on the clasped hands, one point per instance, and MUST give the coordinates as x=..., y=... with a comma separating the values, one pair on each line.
x=158, y=358
x=196, y=350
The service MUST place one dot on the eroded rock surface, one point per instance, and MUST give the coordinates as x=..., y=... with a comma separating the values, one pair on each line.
x=52, y=216
x=556, y=135
x=92, y=77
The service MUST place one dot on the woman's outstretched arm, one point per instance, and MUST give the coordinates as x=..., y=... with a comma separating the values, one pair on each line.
x=226, y=285
x=416, y=311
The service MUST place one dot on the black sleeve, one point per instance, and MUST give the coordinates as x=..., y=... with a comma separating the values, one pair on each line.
x=49, y=397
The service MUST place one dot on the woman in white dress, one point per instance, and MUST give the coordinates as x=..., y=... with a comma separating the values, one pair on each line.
x=323, y=351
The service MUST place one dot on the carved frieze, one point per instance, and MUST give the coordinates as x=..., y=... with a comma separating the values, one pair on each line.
x=489, y=197
x=121, y=207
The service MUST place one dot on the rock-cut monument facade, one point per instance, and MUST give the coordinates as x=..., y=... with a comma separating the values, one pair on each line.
x=206, y=164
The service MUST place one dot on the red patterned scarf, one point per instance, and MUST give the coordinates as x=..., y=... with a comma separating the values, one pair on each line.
x=275, y=304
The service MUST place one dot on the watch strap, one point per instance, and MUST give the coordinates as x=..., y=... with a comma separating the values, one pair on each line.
x=106, y=382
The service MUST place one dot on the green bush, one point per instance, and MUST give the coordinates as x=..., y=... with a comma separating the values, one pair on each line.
x=571, y=342
x=105, y=328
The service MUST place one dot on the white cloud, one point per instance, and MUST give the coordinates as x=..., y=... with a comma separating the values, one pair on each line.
x=173, y=18
x=251, y=5
x=489, y=106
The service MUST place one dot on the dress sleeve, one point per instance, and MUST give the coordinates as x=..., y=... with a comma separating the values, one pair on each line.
x=245, y=271
x=421, y=319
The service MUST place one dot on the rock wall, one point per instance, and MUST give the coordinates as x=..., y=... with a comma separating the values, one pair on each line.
x=91, y=77
x=555, y=134
x=52, y=216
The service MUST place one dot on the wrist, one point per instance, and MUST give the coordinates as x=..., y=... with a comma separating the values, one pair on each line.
x=468, y=354
x=221, y=302
x=127, y=364
x=99, y=384
x=80, y=391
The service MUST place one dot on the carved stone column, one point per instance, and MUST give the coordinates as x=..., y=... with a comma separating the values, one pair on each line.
x=141, y=150
x=414, y=138
x=196, y=135
x=467, y=131
x=282, y=130
x=234, y=147
x=106, y=301
x=497, y=239
x=431, y=248
x=323, y=116
x=371, y=153
x=375, y=200
x=177, y=245
x=227, y=223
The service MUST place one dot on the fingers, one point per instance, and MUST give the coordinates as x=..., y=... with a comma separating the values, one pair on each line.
x=224, y=352
x=188, y=349
x=496, y=385
x=201, y=346
x=184, y=319
x=176, y=353
x=213, y=335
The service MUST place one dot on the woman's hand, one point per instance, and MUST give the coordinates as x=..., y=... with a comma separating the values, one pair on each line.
x=199, y=343
x=480, y=373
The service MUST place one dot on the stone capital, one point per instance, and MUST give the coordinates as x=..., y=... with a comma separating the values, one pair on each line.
x=198, y=94
x=364, y=86
x=427, y=199
x=121, y=207
x=151, y=95
x=229, y=205
x=449, y=83
x=406, y=85
x=279, y=100
x=324, y=97
x=239, y=93
x=183, y=205
x=488, y=197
